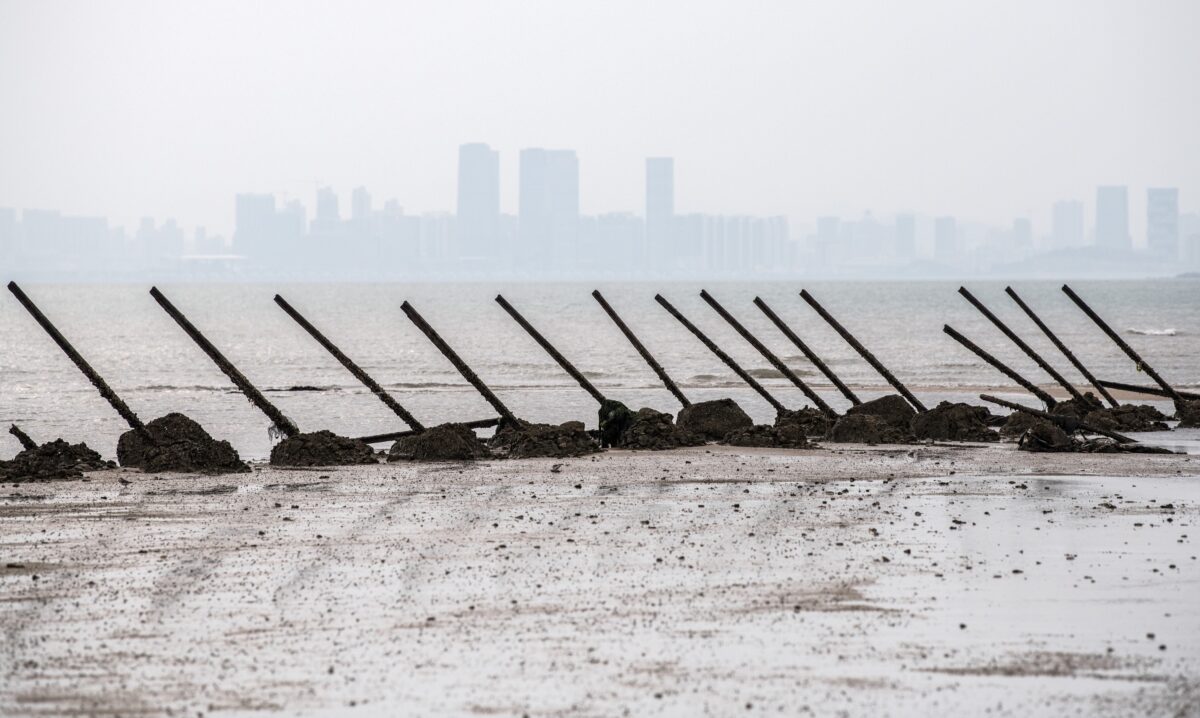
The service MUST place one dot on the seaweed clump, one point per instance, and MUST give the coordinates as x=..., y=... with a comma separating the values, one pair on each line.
x=954, y=422
x=525, y=440
x=53, y=461
x=714, y=419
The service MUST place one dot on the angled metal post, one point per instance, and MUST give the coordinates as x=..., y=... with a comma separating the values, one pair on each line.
x=358, y=372
x=642, y=350
x=557, y=356
x=1025, y=383
x=277, y=417
x=808, y=353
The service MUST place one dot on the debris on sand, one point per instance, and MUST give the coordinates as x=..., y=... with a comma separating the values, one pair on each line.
x=954, y=422
x=526, y=440
x=321, y=448
x=892, y=408
x=180, y=444
x=56, y=460
x=1188, y=413
x=866, y=429
x=1124, y=418
x=785, y=436
x=656, y=431
x=445, y=442
x=713, y=419
x=808, y=421
x=1046, y=436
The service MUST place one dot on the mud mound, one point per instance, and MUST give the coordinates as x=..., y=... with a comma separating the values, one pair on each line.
x=1017, y=423
x=56, y=460
x=866, y=429
x=180, y=444
x=321, y=448
x=953, y=422
x=808, y=421
x=615, y=419
x=892, y=408
x=787, y=436
x=446, y=442
x=525, y=440
x=1188, y=413
x=1127, y=417
x=713, y=419
x=655, y=430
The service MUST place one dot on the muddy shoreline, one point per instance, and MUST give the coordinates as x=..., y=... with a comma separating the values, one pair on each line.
x=850, y=578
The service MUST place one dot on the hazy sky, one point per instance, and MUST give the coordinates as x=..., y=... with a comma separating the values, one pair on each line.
x=984, y=109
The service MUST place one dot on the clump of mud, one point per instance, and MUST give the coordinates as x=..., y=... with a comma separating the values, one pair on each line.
x=321, y=448
x=656, y=431
x=179, y=444
x=1045, y=436
x=56, y=460
x=866, y=429
x=1188, y=413
x=954, y=422
x=892, y=408
x=1017, y=423
x=713, y=419
x=808, y=421
x=525, y=440
x=1124, y=418
x=446, y=442
x=782, y=436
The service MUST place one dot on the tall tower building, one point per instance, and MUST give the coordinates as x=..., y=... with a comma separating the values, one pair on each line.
x=906, y=236
x=478, y=209
x=1067, y=224
x=1112, y=218
x=548, y=208
x=1162, y=221
x=327, y=205
x=660, y=211
x=945, y=239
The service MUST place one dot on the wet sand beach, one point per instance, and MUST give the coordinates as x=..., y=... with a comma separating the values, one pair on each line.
x=848, y=580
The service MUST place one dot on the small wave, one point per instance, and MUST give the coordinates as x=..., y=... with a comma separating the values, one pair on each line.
x=765, y=373
x=1153, y=332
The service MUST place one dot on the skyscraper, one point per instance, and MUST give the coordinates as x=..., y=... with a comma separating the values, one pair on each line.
x=1112, y=218
x=478, y=210
x=945, y=239
x=1162, y=221
x=360, y=204
x=906, y=236
x=327, y=205
x=1067, y=224
x=548, y=205
x=660, y=211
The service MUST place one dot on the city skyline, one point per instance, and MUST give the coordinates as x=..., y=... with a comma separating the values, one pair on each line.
x=549, y=236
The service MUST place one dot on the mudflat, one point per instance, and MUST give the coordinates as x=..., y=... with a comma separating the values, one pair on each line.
x=861, y=580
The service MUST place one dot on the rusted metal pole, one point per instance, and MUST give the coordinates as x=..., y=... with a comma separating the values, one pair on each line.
x=1069, y=423
x=26, y=443
x=1141, y=363
x=808, y=353
x=1061, y=347
x=277, y=417
x=352, y=367
x=770, y=356
x=646, y=355
x=557, y=356
x=1151, y=390
x=862, y=351
x=712, y=347
x=392, y=436
x=1025, y=383
x=97, y=381
x=458, y=363
x=1037, y=358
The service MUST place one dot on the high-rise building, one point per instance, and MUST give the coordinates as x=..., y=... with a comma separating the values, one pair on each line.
x=478, y=213
x=1162, y=221
x=1067, y=224
x=360, y=204
x=906, y=236
x=945, y=239
x=1112, y=218
x=660, y=211
x=327, y=205
x=548, y=204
